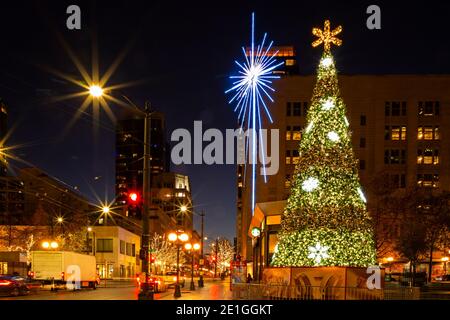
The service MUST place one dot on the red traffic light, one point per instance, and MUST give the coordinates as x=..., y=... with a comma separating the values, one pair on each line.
x=133, y=197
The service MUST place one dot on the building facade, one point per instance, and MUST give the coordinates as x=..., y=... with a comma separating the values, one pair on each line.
x=116, y=251
x=400, y=127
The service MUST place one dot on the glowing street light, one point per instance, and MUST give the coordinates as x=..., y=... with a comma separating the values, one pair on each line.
x=178, y=238
x=390, y=259
x=54, y=245
x=60, y=220
x=191, y=248
x=105, y=210
x=45, y=244
x=95, y=91
x=183, y=208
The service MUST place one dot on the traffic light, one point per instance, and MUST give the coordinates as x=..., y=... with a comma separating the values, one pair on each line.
x=134, y=204
x=133, y=198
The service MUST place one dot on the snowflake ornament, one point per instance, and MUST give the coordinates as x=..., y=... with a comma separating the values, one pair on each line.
x=318, y=253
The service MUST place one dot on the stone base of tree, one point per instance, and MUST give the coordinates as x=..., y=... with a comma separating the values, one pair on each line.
x=333, y=283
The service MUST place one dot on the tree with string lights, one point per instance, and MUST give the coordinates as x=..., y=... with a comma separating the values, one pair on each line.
x=325, y=222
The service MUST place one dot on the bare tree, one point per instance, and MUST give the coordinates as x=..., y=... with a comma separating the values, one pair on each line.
x=164, y=252
x=221, y=254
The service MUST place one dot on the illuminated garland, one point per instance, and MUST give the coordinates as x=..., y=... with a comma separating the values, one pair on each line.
x=326, y=211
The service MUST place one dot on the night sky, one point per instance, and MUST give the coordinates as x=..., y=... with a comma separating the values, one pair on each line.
x=182, y=54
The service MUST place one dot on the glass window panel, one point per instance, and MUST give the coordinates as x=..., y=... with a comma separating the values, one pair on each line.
x=395, y=133
x=395, y=108
x=428, y=133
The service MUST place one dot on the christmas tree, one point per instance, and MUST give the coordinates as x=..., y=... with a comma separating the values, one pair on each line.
x=325, y=222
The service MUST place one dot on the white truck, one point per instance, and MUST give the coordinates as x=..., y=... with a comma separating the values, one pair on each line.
x=70, y=269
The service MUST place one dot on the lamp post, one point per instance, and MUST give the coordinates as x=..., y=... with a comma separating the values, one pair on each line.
x=178, y=238
x=97, y=92
x=191, y=248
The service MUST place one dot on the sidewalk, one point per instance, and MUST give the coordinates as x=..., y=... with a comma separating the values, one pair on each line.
x=213, y=290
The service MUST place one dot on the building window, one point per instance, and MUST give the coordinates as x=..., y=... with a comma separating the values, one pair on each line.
x=288, y=156
x=295, y=157
x=297, y=133
x=428, y=108
x=133, y=250
x=395, y=156
x=287, y=182
x=398, y=180
x=104, y=245
x=395, y=108
x=362, y=142
x=362, y=164
x=428, y=180
x=428, y=156
x=288, y=109
x=288, y=133
x=122, y=247
x=362, y=120
x=297, y=106
x=129, y=253
x=428, y=133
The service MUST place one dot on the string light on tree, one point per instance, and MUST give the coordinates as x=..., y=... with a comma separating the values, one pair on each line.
x=331, y=214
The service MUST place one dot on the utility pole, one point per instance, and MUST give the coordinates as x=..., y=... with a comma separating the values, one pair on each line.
x=146, y=294
x=200, y=281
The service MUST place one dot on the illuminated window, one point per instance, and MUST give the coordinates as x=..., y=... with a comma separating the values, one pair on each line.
x=288, y=133
x=428, y=133
x=295, y=157
x=296, y=134
x=288, y=156
x=287, y=182
x=3, y=267
x=428, y=156
x=395, y=133
x=273, y=220
x=290, y=62
x=428, y=180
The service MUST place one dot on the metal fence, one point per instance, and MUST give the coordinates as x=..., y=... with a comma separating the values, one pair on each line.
x=244, y=291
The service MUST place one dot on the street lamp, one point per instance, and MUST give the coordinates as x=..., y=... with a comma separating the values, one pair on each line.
x=105, y=210
x=95, y=91
x=50, y=245
x=178, y=238
x=191, y=248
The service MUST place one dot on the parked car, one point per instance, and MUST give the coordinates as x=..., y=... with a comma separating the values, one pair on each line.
x=171, y=278
x=13, y=286
x=156, y=283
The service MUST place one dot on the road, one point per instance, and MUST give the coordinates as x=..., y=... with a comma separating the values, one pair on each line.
x=213, y=290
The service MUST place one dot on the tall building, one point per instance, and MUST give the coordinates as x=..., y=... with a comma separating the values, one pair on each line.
x=130, y=153
x=400, y=127
x=171, y=192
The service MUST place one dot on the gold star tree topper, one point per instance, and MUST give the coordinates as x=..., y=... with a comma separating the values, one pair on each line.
x=326, y=36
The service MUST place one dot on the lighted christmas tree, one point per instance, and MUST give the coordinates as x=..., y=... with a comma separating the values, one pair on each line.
x=326, y=222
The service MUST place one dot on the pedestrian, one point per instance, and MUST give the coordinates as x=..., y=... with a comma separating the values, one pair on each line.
x=249, y=278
